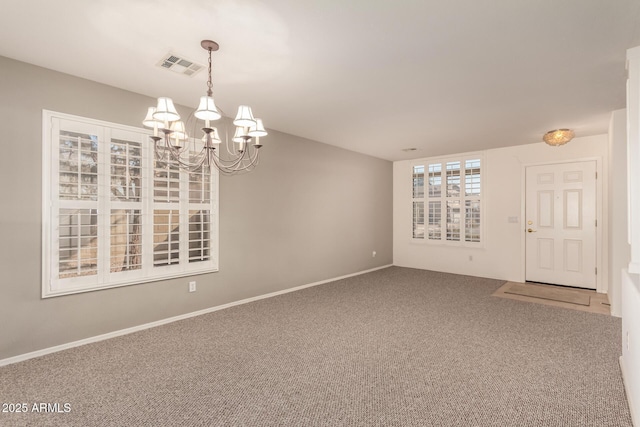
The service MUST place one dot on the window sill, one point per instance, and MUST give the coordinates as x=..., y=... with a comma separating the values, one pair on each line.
x=48, y=293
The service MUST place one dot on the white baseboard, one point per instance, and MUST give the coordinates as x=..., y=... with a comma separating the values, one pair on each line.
x=49, y=350
x=634, y=419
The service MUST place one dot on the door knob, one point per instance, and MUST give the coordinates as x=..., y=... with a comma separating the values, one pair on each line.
x=531, y=230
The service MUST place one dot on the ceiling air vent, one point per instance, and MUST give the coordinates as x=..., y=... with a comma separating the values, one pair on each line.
x=179, y=65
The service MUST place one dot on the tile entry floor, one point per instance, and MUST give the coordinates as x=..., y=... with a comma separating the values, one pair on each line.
x=599, y=302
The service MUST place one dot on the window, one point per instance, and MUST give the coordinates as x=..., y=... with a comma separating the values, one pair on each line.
x=115, y=213
x=446, y=200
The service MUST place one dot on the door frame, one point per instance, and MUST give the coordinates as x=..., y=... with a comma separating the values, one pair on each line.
x=602, y=243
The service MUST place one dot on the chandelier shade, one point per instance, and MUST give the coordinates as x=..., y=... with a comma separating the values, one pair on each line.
x=166, y=111
x=558, y=137
x=150, y=122
x=190, y=152
x=244, y=117
x=207, y=109
x=257, y=129
x=178, y=133
x=240, y=135
x=215, y=138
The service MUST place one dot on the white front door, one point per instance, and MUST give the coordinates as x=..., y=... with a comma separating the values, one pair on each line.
x=561, y=224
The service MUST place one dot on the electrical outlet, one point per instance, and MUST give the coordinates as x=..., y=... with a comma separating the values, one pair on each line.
x=470, y=257
x=373, y=254
x=192, y=286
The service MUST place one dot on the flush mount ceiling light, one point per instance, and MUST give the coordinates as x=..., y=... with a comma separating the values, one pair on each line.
x=242, y=152
x=558, y=137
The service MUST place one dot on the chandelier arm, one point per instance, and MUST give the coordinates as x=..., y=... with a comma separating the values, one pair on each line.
x=251, y=159
x=245, y=161
x=156, y=150
x=160, y=157
x=222, y=168
x=173, y=153
x=211, y=158
x=235, y=168
x=176, y=154
x=191, y=167
x=231, y=163
x=234, y=156
x=249, y=162
x=256, y=158
x=199, y=159
x=166, y=147
x=230, y=150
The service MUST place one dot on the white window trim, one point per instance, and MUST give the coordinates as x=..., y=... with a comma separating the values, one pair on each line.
x=443, y=160
x=132, y=277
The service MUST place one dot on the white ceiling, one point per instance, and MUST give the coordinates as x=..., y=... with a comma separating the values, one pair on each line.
x=373, y=76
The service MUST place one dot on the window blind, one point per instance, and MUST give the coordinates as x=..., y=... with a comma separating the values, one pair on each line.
x=449, y=190
x=118, y=214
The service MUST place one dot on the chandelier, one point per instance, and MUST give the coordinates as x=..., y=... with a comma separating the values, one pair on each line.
x=171, y=138
x=558, y=137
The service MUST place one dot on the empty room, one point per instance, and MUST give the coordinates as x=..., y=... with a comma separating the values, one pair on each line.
x=322, y=213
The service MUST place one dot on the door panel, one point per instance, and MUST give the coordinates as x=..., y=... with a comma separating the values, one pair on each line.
x=561, y=224
x=545, y=209
x=545, y=254
x=573, y=209
x=573, y=255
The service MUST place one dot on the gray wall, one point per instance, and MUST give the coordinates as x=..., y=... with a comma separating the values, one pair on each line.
x=310, y=212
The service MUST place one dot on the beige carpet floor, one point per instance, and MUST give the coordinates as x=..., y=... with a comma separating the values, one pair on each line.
x=397, y=347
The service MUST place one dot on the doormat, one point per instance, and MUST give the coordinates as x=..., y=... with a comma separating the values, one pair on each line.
x=549, y=293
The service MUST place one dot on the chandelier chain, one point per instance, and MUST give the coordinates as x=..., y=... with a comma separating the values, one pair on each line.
x=209, y=82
